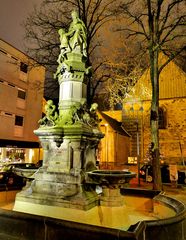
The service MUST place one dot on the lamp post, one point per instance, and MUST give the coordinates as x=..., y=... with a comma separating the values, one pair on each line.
x=135, y=111
x=106, y=144
x=138, y=151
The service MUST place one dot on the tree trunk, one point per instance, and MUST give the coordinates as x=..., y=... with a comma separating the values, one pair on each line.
x=157, y=184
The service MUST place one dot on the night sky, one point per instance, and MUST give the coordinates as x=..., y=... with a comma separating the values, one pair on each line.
x=12, y=14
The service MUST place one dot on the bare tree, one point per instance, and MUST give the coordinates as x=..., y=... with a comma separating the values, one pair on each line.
x=42, y=33
x=160, y=27
x=125, y=69
x=122, y=83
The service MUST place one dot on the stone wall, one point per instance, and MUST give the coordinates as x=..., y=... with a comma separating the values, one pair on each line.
x=173, y=137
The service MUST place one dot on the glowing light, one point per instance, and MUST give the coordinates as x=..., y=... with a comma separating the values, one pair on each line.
x=31, y=154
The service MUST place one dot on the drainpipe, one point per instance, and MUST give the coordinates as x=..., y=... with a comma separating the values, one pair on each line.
x=106, y=144
x=138, y=152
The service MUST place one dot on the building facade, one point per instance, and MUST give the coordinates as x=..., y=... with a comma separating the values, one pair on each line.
x=114, y=147
x=172, y=115
x=21, y=93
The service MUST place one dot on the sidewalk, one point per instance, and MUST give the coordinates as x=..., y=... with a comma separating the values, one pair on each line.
x=177, y=192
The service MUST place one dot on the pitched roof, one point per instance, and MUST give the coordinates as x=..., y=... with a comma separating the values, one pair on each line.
x=172, y=83
x=114, y=124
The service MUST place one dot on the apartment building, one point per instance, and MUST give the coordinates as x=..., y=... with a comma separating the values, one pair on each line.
x=21, y=93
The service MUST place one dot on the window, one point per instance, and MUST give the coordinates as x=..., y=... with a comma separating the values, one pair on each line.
x=21, y=94
x=24, y=67
x=118, y=106
x=9, y=114
x=162, y=118
x=11, y=85
x=2, y=51
x=18, y=120
x=14, y=58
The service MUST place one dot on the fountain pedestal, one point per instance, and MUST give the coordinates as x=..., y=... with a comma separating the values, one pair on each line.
x=111, y=197
x=69, y=152
x=69, y=136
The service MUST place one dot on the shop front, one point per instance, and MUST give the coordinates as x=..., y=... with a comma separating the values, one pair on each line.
x=19, y=151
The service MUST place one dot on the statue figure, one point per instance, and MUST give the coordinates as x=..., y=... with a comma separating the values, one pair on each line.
x=64, y=49
x=90, y=116
x=70, y=116
x=51, y=115
x=93, y=114
x=72, y=41
x=77, y=32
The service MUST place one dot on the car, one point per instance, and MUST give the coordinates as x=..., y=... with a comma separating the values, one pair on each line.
x=147, y=175
x=9, y=177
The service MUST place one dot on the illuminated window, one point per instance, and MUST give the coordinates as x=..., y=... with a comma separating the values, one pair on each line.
x=132, y=160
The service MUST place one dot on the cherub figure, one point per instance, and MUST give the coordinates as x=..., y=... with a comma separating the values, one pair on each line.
x=93, y=114
x=64, y=49
x=51, y=115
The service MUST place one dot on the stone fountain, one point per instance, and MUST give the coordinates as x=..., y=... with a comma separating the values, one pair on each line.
x=65, y=186
x=70, y=136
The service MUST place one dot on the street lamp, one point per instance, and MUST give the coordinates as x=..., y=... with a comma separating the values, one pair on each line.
x=138, y=151
x=106, y=143
x=135, y=110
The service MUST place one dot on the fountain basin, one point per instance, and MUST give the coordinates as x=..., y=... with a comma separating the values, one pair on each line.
x=111, y=181
x=111, y=177
x=26, y=173
x=46, y=226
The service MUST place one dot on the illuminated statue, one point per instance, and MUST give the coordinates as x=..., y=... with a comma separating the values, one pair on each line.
x=77, y=34
x=73, y=41
x=51, y=115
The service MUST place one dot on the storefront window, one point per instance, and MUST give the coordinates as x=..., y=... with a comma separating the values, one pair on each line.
x=12, y=154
